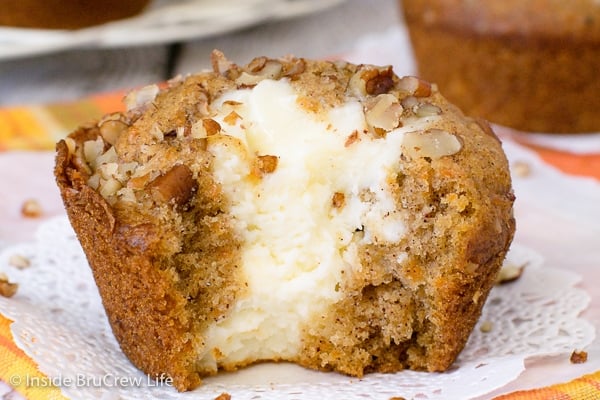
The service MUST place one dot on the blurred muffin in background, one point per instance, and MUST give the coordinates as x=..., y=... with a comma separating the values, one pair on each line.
x=66, y=14
x=533, y=65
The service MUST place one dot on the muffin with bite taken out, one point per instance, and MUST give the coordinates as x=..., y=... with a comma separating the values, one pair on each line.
x=324, y=213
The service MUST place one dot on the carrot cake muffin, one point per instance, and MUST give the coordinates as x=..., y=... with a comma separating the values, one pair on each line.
x=328, y=214
x=528, y=64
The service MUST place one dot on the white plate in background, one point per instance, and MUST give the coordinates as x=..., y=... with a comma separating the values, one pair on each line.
x=163, y=21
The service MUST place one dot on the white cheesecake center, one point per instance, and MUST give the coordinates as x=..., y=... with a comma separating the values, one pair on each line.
x=298, y=244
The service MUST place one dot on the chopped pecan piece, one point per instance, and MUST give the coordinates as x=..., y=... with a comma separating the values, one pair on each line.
x=175, y=186
x=7, y=289
x=338, y=200
x=211, y=126
x=351, y=139
x=578, y=357
x=486, y=326
x=267, y=164
x=378, y=81
x=294, y=68
x=232, y=118
x=31, y=208
x=19, y=261
x=521, y=169
x=509, y=273
x=415, y=86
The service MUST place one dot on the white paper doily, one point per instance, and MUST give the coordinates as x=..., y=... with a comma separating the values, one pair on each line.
x=60, y=323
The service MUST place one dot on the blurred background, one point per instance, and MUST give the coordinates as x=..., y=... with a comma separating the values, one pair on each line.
x=34, y=69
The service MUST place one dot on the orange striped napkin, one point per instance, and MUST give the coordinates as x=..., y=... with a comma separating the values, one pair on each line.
x=586, y=387
x=569, y=163
x=16, y=369
x=40, y=127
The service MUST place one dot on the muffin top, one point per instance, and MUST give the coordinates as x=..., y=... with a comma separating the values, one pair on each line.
x=572, y=19
x=264, y=212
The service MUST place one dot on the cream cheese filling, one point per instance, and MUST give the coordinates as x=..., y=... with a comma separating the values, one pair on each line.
x=298, y=247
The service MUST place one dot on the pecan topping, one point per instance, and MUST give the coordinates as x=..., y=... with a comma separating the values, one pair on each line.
x=351, y=139
x=378, y=81
x=338, y=200
x=267, y=164
x=428, y=110
x=232, y=118
x=111, y=127
x=433, y=143
x=257, y=64
x=415, y=86
x=369, y=80
x=260, y=68
x=211, y=126
x=176, y=186
x=294, y=68
x=219, y=62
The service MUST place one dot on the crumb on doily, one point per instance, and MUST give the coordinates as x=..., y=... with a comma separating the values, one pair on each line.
x=521, y=169
x=578, y=357
x=509, y=273
x=7, y=288
x=19, y=261
x=486, y=326
x=31, y=208
x=223, y=396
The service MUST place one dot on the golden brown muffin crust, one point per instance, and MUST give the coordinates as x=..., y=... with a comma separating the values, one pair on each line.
x=150, y=264
x=166, y=258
